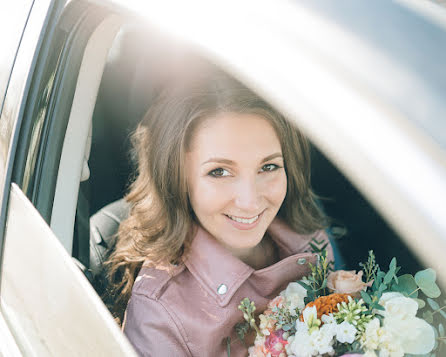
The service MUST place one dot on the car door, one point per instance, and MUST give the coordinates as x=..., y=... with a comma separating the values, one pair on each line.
x=47, y=306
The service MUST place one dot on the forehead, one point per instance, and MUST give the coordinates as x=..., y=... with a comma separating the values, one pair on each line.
x=235, y=135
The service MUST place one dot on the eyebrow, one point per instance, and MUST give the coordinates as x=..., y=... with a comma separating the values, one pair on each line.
x=230, y=162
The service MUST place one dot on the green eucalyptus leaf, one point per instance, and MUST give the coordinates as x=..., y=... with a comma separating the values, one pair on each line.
x=432, y=291
x=377, y=306
x=436, y=338
x=441, y=330
x=379, y=279
x=366, y=297
x=433, y=304
x=406, y=285
x=425, y=279
x=420, y=303
x=442, y=313
x=428, y=316
x=388, y=277
x=392, y=265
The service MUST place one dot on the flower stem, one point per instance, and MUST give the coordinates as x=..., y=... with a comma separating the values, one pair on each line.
x=254, y=325
x=441, y=308
x=413, y=292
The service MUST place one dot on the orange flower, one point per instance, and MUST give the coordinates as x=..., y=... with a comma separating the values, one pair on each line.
x=326, y=304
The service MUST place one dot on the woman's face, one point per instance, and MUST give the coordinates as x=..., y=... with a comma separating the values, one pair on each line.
x=236, y=178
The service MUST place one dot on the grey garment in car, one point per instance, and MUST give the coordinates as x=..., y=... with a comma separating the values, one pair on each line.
x=103, y=232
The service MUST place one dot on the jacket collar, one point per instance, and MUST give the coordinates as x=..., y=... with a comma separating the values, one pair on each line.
x=217, y=270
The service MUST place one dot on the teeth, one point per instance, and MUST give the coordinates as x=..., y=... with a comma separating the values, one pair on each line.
x=244, y=220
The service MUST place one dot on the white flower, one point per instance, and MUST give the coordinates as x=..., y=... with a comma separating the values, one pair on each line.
x=370, y=338
x=310, y=315
x=322, y=340
x=294, y=295
x=310, y=340
x=345, y=332
x=397, y=305
x=369, y=353
x=376, y=337
x=299, y=345
x=328, y=319
x=413, y=334
x=304, y=344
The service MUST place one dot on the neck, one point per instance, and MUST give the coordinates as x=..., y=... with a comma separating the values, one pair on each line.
x=262, y=255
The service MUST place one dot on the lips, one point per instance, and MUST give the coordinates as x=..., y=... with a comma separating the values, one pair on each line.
x=244, y=223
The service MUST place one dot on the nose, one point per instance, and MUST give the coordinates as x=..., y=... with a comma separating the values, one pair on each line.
x=247, y=196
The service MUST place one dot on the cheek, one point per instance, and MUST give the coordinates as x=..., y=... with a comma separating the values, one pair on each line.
x=207, y=197
x=275, y=188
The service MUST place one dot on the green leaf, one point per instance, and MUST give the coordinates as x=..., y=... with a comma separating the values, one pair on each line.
x=433, y=304
x=388, y=277
x=306, y=286
x=406, y=285
x=420, y=303
x=441, y=330
x=392, y=265
x=425, y=279
x=366, y=297
x=378, y=307
x=428, y=316
x=436, y=337
x=324, y=283
x=442, y=313
x=379, y=278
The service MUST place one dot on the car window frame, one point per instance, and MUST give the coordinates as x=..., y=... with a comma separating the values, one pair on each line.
x=40, y=20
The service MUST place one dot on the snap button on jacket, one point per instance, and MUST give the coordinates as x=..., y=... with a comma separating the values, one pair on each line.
x=193, y=311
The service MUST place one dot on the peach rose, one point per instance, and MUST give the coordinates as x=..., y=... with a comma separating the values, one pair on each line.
x=276, y=302
x=347, y=282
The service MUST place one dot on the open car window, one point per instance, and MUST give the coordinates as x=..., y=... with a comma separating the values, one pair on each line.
x=380, y=178
x=382, y=160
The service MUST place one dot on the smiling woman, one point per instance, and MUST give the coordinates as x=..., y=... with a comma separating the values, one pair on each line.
x=236, y=195
x=221, y=209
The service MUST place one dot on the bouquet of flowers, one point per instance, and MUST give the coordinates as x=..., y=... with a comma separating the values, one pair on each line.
x=344, y=313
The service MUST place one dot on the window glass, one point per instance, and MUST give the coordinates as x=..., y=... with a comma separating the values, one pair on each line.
x=13, y=16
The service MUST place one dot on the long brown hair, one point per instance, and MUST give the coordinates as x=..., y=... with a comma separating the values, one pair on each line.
x=159, y=228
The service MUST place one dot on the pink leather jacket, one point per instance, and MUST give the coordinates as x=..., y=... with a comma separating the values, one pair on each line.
x=194, y=311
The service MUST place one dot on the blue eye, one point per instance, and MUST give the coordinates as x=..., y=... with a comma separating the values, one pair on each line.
x=218, y=172
x=269, y=167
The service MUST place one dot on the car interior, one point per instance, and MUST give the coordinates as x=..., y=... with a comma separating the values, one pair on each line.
x=128, y=80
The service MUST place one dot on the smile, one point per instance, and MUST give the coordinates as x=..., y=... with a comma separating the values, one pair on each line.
x=244, y=220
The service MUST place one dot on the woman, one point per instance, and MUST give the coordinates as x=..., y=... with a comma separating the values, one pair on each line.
x=222, y=209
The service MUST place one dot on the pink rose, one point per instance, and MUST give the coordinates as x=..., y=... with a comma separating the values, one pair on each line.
x=275, y=343
x=347, y=282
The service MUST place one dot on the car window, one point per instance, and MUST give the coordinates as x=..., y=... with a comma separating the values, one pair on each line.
x=13, y=16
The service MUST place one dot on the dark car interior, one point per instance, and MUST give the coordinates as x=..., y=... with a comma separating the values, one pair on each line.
x=129, y=84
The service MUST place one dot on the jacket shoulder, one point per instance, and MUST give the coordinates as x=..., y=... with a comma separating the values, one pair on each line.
x=151, y=282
